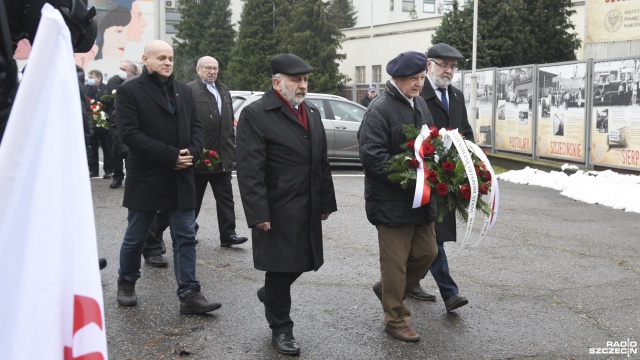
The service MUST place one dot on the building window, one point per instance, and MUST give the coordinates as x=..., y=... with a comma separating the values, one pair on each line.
x=447, y=5
x=429, y=6
x=376, y=74
x=408, y=5
x=361, y=74
x=391, y=4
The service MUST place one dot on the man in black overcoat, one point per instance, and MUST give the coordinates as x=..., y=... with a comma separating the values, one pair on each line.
x=215, y=111
x=286, y=188
x=156, y=117
x=446, y=104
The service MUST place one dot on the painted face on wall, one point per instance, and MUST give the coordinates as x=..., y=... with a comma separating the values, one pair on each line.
x=115, y=39
x=135, y=28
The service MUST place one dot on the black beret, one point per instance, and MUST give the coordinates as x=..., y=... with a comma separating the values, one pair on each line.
x=444, y=51
x=289, y=64
x=407, y=64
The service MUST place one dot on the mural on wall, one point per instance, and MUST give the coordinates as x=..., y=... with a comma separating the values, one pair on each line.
x=562, y=111
x=514, y=122
x=124, y=27
x=615, y=118
x=484, y=100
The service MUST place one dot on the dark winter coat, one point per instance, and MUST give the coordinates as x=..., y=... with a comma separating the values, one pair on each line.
x=380, y=137
x=155, y=135
x=455, y=119
x=218, y=127
x=284, y=178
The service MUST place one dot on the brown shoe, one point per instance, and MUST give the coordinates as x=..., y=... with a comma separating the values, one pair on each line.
x=405, y=333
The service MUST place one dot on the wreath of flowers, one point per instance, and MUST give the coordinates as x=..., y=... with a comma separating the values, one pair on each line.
x=444, y=172
x=99, y=116
x=207, y=159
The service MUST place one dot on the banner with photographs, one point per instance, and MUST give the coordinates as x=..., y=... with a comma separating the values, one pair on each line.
x=609, y=20
x=514, y=125
x=484, y=100
x=615, y=121
x=562, y=111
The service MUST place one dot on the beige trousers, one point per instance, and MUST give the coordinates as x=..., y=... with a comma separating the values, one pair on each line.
x=406, y=252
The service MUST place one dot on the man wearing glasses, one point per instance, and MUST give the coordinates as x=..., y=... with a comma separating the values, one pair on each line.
x=446, y=104
x=215, y=111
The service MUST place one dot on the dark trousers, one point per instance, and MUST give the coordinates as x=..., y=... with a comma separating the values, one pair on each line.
x=440, y=271
x=118, y=157
x=223, y=193
x=100, y=138
x=277, y=300
x=154, y=243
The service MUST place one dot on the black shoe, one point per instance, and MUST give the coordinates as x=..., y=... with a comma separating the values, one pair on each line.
x=115, y=184
x=419, y=293
x=94, y=175
x=196, y=303
x=455, y=302
x=127, y=293
x=285, y=344
x=156, y=261
x=260, y=293
x=102, y=262
x=107, y=176
x=233, y=240
x=377, y=289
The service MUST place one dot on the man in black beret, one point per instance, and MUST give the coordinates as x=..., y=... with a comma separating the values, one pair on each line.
x=406, y=235
x=446, y=104
x=286, y=189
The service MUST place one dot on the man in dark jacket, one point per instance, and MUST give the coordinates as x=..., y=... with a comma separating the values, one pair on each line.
x=215, y=111
x=446, y=104
x=371, y=94
x=157, y=120
x=405, y=235
x=286, y=189
x=100, y=138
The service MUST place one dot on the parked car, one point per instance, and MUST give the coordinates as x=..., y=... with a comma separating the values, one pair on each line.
x=341, y=119
x=238, y=98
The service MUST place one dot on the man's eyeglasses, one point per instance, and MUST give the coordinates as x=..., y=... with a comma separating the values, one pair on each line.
x=209, y=68
x=450, y=67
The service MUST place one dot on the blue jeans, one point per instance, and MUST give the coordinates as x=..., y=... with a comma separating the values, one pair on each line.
x=183, y=236
x=440, y=271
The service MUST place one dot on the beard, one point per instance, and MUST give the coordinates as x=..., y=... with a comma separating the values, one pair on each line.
x=294, y=99
x=440, y=81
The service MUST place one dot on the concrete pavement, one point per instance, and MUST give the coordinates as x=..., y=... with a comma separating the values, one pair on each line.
x=554, y=279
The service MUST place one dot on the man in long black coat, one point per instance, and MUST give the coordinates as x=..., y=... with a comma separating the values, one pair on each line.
x=157, y=120
x=446, y=104
x=215, y=111
x=405, y=235
x=286, y=189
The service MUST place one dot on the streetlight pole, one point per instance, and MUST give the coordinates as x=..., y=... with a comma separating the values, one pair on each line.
x=474, y=77
x=273, y=16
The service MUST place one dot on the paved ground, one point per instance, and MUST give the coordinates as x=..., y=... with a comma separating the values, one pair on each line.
x=555, y=278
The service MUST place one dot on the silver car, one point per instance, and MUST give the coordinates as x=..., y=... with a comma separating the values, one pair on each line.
x=341, y=119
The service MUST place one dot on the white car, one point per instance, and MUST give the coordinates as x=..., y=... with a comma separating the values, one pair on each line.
x=341, y=119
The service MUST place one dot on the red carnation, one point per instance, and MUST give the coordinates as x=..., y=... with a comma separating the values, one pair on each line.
x=414, y=163
x=428, y=149
x=206, y=162
x=432, y=177
x=448, y=129
x=442, y=189
x=465, y=192
x=448, y=166
x=477, y=168
x=486, y=176
x=212, y=153
x=434, y=133
x=410, y=144
x=484, y=188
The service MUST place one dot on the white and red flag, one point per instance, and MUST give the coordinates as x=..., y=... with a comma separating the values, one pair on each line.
x=51, y=299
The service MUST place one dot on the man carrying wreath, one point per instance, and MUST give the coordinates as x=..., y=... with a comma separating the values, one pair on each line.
x=446, y=103
x=406, y=236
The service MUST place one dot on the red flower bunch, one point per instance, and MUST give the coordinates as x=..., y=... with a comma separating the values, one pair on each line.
x=445, y=173
x=207, y=159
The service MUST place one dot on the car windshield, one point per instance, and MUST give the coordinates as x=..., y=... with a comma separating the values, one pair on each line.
x=237, y=102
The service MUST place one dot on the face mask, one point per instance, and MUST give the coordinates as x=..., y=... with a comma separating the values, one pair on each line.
x=91, y=82
x=122, y=74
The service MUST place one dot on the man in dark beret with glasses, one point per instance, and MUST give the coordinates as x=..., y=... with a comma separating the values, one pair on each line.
x=406, y=236
x=446, y=104
x=286, y=189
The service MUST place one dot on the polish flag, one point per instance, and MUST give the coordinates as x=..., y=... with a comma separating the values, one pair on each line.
x=51, y=298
